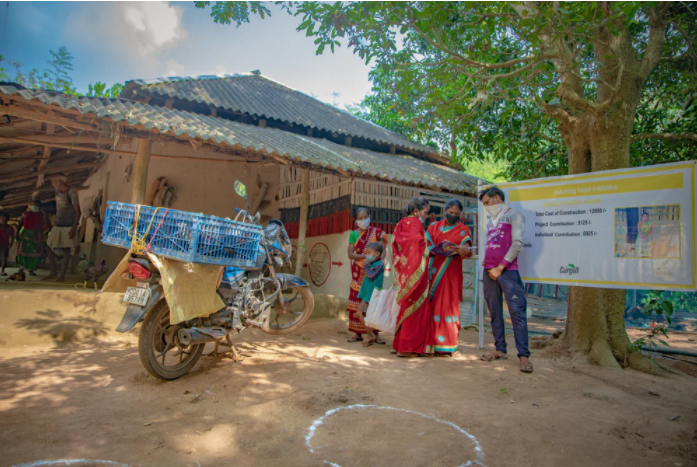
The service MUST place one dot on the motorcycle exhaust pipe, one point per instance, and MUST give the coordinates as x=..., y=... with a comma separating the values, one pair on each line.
x=192, y=336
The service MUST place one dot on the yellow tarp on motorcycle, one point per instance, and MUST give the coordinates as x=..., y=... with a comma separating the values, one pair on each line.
x=189, y=288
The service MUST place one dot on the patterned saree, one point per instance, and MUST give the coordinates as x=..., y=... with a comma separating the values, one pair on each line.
x=445, y=277
x=371, y=234
x=410, y=256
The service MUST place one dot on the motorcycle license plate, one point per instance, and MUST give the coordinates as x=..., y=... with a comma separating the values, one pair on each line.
x=137, y=296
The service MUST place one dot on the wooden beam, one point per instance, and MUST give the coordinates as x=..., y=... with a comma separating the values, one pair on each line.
x=262, y=122
x=302, y=228
x=309, y=132
x=197, y=145
x=260, y=197
x=140, y=171
x=169, y=103
x=347, y=141
x=393, y=149
x=127, y=153
x=214, y=111
x=50, y=129
x=14, y=111
x=50, y=140
x=70, y=147
x=52, y=170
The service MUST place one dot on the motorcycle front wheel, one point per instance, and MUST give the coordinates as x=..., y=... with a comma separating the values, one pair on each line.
x=299, y=304
x=161, y=352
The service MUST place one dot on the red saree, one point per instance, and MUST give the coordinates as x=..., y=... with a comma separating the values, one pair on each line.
x=410, y=254
x=371, y=234
x=445, y=277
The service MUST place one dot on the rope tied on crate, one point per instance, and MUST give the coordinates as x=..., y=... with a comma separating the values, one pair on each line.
x=158, y=227
x=138, y=245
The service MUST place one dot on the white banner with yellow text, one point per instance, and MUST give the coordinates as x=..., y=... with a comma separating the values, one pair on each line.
x=627, y=228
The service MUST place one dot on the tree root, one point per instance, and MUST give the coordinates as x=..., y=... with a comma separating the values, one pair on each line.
x=601, y=354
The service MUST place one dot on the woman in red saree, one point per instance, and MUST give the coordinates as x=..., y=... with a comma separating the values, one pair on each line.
x=445, y=277
x=410, y=254
x=358, y=242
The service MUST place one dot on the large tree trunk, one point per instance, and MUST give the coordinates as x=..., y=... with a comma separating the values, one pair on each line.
x=595, y=320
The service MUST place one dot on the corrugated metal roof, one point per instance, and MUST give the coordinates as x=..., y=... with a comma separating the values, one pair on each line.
x=400, y=168
x=258, y=95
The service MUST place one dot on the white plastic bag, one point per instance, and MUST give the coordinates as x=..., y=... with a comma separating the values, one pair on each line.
x=380, y=313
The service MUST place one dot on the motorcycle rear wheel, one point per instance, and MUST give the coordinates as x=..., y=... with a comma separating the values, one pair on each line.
x=300, y=302
x=158, y=341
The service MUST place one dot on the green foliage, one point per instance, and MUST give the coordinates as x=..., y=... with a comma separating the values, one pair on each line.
x=655, y=305
x=99, y=89
x=488, y=169
x=59, y=71
x=234, y=12
x=57, y=78
x=32, y=79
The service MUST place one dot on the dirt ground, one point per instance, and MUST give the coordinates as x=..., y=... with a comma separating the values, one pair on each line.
x=71, y=388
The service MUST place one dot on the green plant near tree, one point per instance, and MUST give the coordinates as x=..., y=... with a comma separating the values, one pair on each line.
x=660, y=308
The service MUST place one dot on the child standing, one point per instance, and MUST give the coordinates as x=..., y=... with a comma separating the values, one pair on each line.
x=7, y=238
x=374, y=275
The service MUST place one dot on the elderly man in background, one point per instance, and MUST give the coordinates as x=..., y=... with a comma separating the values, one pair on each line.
x=504, y=241
x=64, y=234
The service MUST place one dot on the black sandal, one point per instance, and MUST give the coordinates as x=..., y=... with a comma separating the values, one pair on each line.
x=354, y=339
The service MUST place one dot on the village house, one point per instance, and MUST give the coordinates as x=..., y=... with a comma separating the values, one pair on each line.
x=181, y=143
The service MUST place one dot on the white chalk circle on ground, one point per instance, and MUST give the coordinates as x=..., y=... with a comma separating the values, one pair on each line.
x=374, y=435
x=75, y=462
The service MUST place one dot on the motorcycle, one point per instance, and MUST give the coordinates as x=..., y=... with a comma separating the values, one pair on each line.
x=257, y=297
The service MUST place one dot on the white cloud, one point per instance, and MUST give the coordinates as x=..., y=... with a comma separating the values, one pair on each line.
x=174, y=69
x=139, y=28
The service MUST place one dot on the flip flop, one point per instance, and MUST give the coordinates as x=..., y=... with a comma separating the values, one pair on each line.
x=369, y=343
x=380, y=342
x=408, y=355
x=354, y=339
x=526, y=367
x=393, y=352
x=490, y=357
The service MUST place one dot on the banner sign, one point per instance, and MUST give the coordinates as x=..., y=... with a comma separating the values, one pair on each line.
x=627, y=228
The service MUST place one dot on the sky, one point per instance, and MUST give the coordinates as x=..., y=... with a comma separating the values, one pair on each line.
x=120, y=41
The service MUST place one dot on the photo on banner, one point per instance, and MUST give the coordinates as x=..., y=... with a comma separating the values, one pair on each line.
x=627, y=228
x=648, y=232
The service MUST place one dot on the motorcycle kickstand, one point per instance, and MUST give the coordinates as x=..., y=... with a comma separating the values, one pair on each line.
x=235, y=353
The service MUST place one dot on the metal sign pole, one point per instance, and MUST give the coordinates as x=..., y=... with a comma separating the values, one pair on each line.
x=481, y=249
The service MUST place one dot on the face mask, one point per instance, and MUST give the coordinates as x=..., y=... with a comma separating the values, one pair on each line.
x=34, y=208
x=421, y=219
x=363, y=224
x=452, y=219
x=370, y=258
x=494, y=210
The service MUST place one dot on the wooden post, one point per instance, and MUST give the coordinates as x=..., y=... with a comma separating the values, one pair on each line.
x=348, y=141
x=304, y=215
x=262, y=122
x=140, y=171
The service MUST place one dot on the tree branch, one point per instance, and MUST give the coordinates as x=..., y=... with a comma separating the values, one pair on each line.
x=665, y=136
x=657, y=37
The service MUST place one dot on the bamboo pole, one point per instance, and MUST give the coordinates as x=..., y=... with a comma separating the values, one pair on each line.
x=140, y=171
x=260, y=197
x=302, y=228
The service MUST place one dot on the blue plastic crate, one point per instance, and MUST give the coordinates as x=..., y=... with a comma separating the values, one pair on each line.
x=184, y=236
